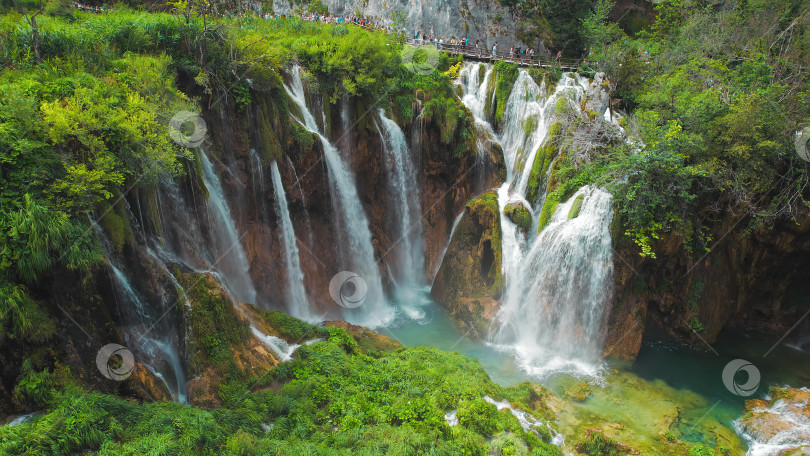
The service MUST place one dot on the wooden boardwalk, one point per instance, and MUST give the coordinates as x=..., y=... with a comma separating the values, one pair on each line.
x=485, y=55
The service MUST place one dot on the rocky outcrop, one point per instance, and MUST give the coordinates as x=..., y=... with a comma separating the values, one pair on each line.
x=148, y=386
x=484, y=20
x=372, y=343
x=781, y=423
x=746, y=281
x=220, y=343
x=469, y=281
x=519, y=215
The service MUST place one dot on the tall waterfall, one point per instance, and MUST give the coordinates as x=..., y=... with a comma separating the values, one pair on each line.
x=558, y=282
x=297, y=304
x=231, y=259
x=358, y=255
x=404, y=188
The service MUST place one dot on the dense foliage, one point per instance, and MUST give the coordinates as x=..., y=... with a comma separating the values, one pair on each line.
x=332, y=399
x=716, y=91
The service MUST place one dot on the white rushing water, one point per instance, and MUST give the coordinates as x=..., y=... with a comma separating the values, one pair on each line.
x=527, y=421
x=554, y=305
x=230, y=257
x=279, y=346
x=350, y=219
x=404, y=188
x=558, y=282
x=297, y=304
x=790, y=429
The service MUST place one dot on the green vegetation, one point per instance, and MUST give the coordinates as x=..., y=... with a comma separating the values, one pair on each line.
x=505, y=74
x=714, y=120
x=598, y=444
x=520, y=215
x=576, y=206
x=331, y=399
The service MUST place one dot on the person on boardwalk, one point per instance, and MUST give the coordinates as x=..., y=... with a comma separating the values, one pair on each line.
x=495, y=49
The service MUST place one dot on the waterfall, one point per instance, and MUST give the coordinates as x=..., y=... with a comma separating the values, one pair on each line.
x=527, y=118
x=558, y=282
x=404, y=189
x=352, y=223
x=553, y=310
x=151, y=334
x=231, y=259
x=297, y=304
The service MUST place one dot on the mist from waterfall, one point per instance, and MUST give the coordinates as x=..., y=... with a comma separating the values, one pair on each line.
x=557, y=282
x=297, y=304
x=350, y=219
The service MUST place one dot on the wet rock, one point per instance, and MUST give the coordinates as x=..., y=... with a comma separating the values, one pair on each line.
x=469, y=280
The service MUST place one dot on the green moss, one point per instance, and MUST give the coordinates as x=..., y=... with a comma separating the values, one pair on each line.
x=506, y=75
x=598, y=444
x=116, y=224
x=292, y=329
x=576, y=206
x=214, y=325
x=579, y=392
x=520, y=215
x=549, y=207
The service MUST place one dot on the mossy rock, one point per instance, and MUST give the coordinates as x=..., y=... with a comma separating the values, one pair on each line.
x=579, y=392
x=596, y=443
x=519, y=215
x=547, y=212
x=507, y=74
x=469, y=280
x=576, y=207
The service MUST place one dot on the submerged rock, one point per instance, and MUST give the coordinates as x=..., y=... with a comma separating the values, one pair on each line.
x=469, y=280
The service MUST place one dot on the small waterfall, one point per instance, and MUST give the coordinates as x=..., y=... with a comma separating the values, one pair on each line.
x=358, y=255
x=527, y=118
x=558, y=282
x=231, y=259
x=404, y=188
x=553, y=308
x=280, y=347
x=297, y=304
x=150, y=333
x=789, y=429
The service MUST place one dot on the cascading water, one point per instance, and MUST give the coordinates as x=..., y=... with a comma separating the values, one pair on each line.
x=230, y=257
x=559, y=281
x=358, y=255
x=153, y=337
x=404, y=188
x=297, y=304
x=554, y=305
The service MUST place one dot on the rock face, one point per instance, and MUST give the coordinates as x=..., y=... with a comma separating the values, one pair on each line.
x=484, y=20
x=745, y=281
x=469, y=281
x=781, y=425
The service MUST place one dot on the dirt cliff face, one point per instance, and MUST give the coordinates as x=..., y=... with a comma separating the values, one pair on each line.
x=748, y=281
x=469, y=281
